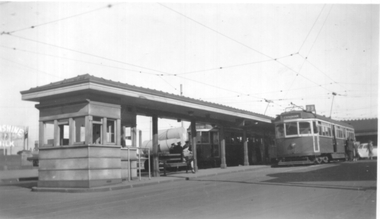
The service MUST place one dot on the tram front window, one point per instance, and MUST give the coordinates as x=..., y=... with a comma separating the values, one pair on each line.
x=279, y=130
x=291, y=128
x=305, y=128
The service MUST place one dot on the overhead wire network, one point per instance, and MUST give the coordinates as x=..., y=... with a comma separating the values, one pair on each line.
x=158, y=73
x=162, y=73
x=240, y=43
x=303, y=43
x=249, y=47
x=58, y=20
x=11, y=33
x=137, y=71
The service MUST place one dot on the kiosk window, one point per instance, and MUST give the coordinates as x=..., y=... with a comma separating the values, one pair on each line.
x=63, y=130
x=48, y=133
x=79, y=130
x=111, y=124
x=97, y=124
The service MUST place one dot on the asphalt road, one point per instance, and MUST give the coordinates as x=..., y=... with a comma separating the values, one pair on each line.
x=337, y=190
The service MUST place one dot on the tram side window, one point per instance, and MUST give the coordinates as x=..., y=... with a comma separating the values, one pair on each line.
x=351, y=135
x=199, y=134
x=315, y=127
x=291, y=128
x=329, y=131
x=344, y=133
x=205, y=137
x=324, y=130
x=305, y=128
x=279, y=130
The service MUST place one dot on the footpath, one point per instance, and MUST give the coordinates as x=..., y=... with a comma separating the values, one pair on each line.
x=30, y=177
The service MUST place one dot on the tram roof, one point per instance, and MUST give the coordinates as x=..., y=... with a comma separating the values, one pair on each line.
x=305, y=114
x=168, y=104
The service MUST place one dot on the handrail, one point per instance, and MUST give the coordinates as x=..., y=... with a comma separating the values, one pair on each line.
x=139, y=160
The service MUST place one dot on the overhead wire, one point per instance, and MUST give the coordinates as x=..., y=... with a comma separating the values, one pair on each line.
x=30, y=67
x=238, y=42
x=80, y=52
x=71, y=59
x=218, y=32
x=84, y=62
x=85, y=53
x=61, y=19
x=312, y=44
x=168, y=74
x=307, y=36
x=306, y=57
x=232, y=66
x=269, y=92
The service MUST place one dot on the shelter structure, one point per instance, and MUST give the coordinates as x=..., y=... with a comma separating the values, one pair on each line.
x=81, y=121
x=365, y=129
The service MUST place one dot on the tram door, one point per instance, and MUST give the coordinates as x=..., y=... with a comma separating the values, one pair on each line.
x=315, y=137
x=334, y=139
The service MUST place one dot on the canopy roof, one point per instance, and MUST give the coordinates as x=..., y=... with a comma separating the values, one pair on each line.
x=145, y=101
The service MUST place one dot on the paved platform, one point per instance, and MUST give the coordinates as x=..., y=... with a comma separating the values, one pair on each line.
x=31, y=176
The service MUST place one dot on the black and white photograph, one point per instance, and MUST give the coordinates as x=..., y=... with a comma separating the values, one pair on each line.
x=189, y=109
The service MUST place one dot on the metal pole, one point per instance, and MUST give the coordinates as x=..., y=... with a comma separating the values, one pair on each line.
x=149, y=161
x=333, y=93
x=139, y=167
x=129, y=166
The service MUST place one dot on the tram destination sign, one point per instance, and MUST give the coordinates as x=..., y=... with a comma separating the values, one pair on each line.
x=291, y=116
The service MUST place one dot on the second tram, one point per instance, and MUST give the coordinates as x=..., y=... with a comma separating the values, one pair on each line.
x=303, y=137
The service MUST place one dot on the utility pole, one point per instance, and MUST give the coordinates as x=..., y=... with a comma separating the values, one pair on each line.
x=334, y=94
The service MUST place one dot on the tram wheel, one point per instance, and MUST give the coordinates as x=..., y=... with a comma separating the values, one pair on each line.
x=325, y=159
x=318, y=160
x=311, y=159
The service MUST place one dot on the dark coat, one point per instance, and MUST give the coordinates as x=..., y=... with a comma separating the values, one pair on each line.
x=350, y=145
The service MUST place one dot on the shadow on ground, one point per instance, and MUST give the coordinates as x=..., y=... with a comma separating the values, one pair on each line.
x=346, y=171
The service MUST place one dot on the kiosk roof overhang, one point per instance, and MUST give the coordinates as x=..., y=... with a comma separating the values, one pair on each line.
x=145, y=101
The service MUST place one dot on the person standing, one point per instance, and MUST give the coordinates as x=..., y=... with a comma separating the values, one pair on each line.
x=350, y=148
x=370, y=150
x=189, y=155
x=356, y=151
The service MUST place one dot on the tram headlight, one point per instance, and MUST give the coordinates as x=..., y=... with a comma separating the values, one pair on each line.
x=293, y=145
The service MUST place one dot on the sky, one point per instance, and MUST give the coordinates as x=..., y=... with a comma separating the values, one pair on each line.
x=263, y=58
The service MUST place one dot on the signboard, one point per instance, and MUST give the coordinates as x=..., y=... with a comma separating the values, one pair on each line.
x=291, y=116
x=10, y=133
x=310, y=108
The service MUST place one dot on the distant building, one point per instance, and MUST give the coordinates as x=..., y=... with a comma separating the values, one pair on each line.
x=365, y=129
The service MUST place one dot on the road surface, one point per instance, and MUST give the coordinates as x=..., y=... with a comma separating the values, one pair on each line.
x=336, y=190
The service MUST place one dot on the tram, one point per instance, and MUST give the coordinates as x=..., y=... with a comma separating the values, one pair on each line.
x=303, y=137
